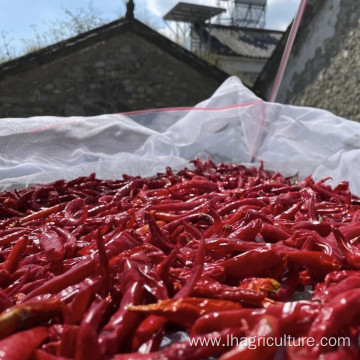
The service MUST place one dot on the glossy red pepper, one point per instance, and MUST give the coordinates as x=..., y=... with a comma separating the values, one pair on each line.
x=185, y=311
x=342, y=311
x=16, y=254
x=185, y=350
x=21, y=345
x=257, y=262
x=328, y=293
x=29, y=314
x=87, y=345
x=350, y=250
x=256, y=346
x=295, y=318
x=133, y=261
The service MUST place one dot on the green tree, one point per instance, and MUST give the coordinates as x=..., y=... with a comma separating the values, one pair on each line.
x=76, y=21
x=7, y=51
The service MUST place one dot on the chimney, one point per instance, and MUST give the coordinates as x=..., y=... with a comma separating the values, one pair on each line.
x=130, y=10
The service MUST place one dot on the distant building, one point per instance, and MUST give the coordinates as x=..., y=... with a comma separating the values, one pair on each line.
x=237, y=43
x=121, y=66
x=237, y=50
x=324, y=67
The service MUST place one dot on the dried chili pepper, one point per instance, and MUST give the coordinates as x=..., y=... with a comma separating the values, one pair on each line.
x=21, y=345
x=115, y=268
x=185, y=311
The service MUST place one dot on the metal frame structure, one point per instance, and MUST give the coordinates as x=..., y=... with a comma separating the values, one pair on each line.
x=244, y=13
x=186, y=16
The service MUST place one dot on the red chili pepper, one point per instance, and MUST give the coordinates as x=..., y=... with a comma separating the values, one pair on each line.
x=236, y=204
x=16, y=254
x=288, y=282
x=328, y=293
x=273, y=234
x=299, y=353
x=197, y=217
x=319, y=263
x=104, y=262
x=256, y=345
x=258, y=262
x=219, y=247
x=149, y=328
x=163, y=268
x=185, y=311
x=82, y=296
x=295, y=318
x=10, y=235
x=227, y=234
x=67, y=345
x=157, y=236
x=217, y=223
x=21, y=345
x=71, y=277
x=341, y=311
x=186, y=290
x=325, y=193
x=247, y=232
x=184, y=349
x=44, y=355
x=310, y=240
x=75, y=213
x=40, y=214
x=5, y=302
x=323, y=228
x=124, y=322
x=25, y=315
x=38, y=193
x=208, y=287
x=87, y=345
x=69, y=240
x=200, y=185
x=177, y=206
x=290, y=213
x=351, y=232
x=53, y=245
x=126, y=189
x=350, y=250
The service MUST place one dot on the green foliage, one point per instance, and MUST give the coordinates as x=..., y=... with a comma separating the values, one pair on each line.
x=7, y=52
x=76, y=22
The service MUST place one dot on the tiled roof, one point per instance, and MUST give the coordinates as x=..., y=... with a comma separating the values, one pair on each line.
x=104, y=32
x=240, y=41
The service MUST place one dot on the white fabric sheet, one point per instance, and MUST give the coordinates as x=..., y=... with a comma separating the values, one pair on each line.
x=233, y=125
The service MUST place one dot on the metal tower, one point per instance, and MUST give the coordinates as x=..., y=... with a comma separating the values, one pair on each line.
x=186, y=17
x=246, y=13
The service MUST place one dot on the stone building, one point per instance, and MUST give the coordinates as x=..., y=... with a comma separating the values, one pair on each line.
x=324, y=67
x=121, y=66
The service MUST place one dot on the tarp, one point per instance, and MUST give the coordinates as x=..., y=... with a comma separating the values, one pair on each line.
x=232, y=126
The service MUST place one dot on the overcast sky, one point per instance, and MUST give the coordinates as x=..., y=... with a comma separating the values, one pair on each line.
x=18, y=16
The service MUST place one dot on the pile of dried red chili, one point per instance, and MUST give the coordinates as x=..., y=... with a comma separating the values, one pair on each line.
x=134, y=268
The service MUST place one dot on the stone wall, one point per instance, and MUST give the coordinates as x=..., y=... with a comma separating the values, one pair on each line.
x=324, y=68
x=122, y=73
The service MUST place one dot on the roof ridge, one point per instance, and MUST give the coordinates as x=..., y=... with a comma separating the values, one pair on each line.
x=62, y=43
x=46, y=54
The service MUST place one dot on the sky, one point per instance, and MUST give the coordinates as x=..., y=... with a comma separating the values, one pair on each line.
x=18, y=17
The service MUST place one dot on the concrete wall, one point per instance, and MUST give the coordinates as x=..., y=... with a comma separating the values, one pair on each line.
x=122, y=73
x=245, y=67
x=324, y=68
